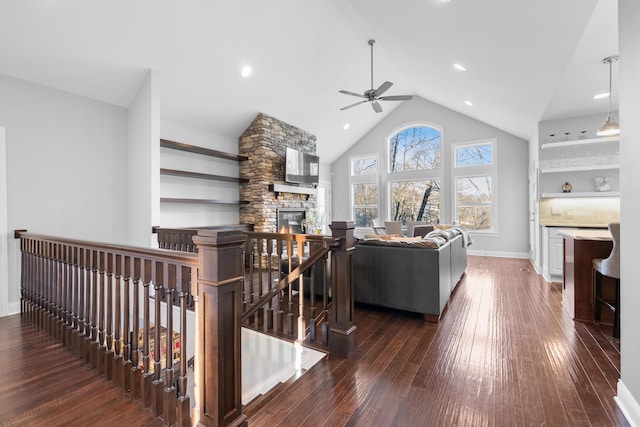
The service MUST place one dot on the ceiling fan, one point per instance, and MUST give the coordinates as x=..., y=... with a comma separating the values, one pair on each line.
x=373, y=95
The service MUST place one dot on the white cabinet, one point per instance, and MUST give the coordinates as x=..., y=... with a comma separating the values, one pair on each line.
x=553, y=253
x=579, y=163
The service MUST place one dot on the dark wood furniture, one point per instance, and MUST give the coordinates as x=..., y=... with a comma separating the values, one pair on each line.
x=580, y=248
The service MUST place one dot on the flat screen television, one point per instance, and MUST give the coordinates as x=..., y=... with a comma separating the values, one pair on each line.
x=301, y=168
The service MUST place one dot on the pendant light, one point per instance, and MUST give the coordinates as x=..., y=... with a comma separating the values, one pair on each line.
x=610, y=126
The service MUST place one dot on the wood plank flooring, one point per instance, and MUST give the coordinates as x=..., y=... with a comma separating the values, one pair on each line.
x=43, y=385
x=504, y=354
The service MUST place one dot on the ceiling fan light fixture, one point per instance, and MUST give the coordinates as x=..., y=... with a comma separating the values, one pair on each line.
x=374, y=95
x=610, y=126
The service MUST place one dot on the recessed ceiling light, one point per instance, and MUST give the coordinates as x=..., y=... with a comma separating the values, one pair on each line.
x=346, y=126
x=459, y=67
x=469, y=103
x=246, y=71
x=601, y=95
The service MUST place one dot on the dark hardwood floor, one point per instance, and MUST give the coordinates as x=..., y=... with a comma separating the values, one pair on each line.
x=43, y=385
x=505, y=354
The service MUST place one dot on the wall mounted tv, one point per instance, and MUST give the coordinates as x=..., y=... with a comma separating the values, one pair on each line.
x=301, y=168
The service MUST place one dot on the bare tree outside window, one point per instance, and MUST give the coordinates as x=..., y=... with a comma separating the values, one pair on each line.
x=416, y=201
x=415, y=149
x=365, y=204
x=474, y=194
x=474, y=200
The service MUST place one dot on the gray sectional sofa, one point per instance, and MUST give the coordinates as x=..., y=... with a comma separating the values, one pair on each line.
x=416, y=275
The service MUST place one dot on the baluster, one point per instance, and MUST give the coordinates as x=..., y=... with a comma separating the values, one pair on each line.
x=312, y=304
x=301, y=318
x=290, y=288
x=159, y=279
x=325, y=299
x=93, y=354
x=79, y=326
x=147, y=375
x=193, y=286
x=251, y=244
x=77, y=302
x=87, y=257
x=270, y=282
x=69, y=286
x=280, y=317
x=261, y=255
x=137, y=265
x=127, y=335
x=247, y=279
x=102, y=312
x=48, y=289
x=169, y=398
x=183, y=404
x=116, y=367
x=109, y=353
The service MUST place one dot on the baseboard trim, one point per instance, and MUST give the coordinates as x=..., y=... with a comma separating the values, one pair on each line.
x=499, y=254
x=627, y=404
x=13, y=308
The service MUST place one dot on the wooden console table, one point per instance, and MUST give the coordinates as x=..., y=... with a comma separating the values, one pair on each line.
x=580, y=248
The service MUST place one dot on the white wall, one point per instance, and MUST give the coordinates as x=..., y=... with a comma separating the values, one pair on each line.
x=144, y=162
x=66, y=167
x=629, y=38
x=512, y=157
x=4, y=230
x=197, y=215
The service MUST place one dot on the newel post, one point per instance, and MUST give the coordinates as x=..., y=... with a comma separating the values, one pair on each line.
x=342, y=333
x=220, y=276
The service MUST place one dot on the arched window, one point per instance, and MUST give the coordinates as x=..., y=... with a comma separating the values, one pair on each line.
x=414, y=175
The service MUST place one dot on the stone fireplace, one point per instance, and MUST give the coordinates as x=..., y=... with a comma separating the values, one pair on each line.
x=264, y=143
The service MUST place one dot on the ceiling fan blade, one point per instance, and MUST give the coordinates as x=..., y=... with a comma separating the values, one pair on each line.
x=352, y=105
x=346, y=92
x=376, y=107
x=396, y=98
x=383, y=88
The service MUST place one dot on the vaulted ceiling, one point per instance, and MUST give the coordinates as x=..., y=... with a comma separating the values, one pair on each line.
x=525, y=60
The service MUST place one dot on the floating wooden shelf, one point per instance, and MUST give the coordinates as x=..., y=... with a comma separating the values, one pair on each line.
x=579, y=168
x=165, y=143
x=187, y=174
x=579, y=142
x=581, y=194
x=203, y=201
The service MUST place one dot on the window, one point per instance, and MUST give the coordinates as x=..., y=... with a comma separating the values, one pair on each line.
x=364, y=190
x=417, y=200
x=365, y=204
x=413, y=149
x=474, y=177
x=415, y=174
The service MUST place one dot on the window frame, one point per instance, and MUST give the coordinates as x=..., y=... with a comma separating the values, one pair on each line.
x=414, y=175
x=373, y=178
x=474, y=171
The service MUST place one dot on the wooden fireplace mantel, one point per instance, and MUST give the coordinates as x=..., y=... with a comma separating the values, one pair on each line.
x=283, y=188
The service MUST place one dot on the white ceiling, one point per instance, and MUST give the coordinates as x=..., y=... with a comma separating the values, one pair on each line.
x=526, y=60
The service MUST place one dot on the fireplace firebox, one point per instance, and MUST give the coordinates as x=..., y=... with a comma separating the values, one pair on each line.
x=290, y=220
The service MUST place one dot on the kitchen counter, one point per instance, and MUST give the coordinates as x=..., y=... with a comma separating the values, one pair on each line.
x=588, y=234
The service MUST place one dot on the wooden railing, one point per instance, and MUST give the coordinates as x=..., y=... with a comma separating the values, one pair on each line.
x=287, y=288
x=113, y=306
x=181, y=239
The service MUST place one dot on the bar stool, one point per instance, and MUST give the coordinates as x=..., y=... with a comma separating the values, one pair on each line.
x=609, y=267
